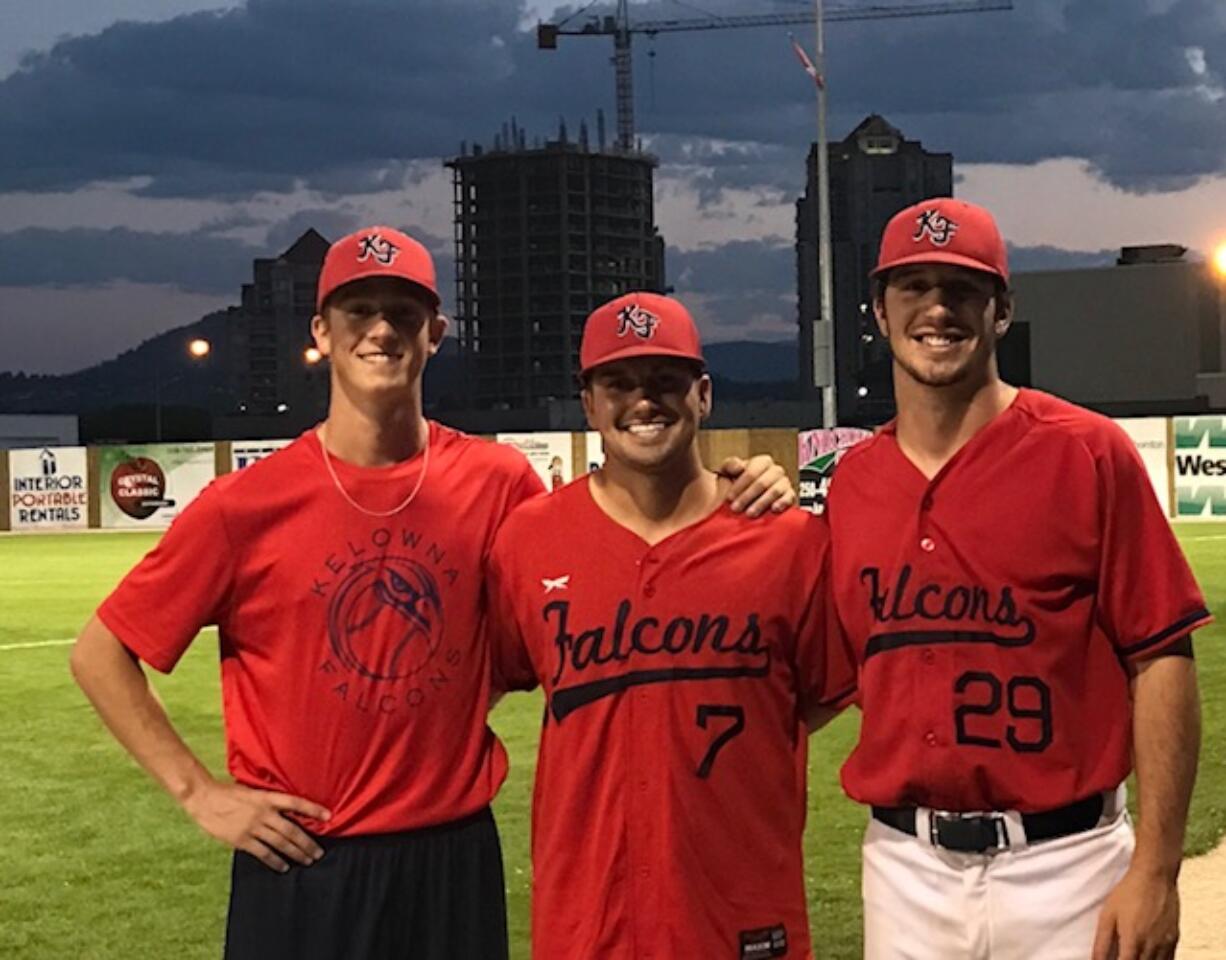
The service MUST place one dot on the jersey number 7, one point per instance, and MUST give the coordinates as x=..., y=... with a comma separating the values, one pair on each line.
x=705, y=712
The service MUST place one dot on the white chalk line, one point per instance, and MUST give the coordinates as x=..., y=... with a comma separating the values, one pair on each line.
x=33, y=644
x=64, y=642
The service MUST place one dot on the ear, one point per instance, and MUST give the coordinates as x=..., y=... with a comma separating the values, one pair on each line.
x=585, y=398
x=1004, y=316
x=883, y=325
x=706, y=396
x=437, y=330
x=321, y=333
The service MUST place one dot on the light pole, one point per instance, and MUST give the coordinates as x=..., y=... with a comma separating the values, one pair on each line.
x=197, y=349
x=823, y=330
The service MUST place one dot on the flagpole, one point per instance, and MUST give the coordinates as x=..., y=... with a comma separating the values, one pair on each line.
x=823, y=331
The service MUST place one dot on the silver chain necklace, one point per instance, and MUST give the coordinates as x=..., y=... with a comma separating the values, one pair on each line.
x=336, y=481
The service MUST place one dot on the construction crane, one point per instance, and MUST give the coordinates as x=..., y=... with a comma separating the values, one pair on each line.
x=620, y=28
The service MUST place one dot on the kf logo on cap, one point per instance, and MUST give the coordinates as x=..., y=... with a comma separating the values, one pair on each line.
x=634, y=318
x=936, y=226
x=374, y=247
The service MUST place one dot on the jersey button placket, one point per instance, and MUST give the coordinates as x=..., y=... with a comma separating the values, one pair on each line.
x=926, y=543
x=640, y=810
x=649, y=566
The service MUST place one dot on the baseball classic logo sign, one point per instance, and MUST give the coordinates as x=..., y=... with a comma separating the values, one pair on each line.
x=138, y=487
x=1200, y=468
x=150, y=484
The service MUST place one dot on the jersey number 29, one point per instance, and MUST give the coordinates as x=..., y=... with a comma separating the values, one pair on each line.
x=1029, y=703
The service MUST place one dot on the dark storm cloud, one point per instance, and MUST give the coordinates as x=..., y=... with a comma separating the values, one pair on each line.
x=1110, y=82
x=205, y=261
x=82, y=257
x=339, y=94
x=740, y=266
x=740, y=290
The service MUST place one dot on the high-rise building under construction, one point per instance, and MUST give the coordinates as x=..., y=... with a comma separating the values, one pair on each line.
x=544, y=233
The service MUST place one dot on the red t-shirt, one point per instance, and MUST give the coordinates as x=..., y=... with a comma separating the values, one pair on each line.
x=354, y=670
x=993, y=608
x=670, y=787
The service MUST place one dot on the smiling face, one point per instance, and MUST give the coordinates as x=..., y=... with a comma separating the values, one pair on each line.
x=647, y=410
x=942, y=323
x=378, y=334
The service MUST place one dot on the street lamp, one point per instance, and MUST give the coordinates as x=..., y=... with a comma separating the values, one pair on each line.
x=1219, y=260
x=197, y=349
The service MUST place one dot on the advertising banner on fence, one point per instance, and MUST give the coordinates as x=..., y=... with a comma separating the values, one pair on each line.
x=48, y=489
x=243, y=453
x=819, y=452
x=145, y=486
x=1149, y=435
x=549, y=454
x=1200, y=468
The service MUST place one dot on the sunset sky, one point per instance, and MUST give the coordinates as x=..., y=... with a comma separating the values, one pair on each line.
x=149, y=149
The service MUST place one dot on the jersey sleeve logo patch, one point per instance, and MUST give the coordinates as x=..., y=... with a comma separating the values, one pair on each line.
x=935, y=226
x=555, y=583
x=634, y=319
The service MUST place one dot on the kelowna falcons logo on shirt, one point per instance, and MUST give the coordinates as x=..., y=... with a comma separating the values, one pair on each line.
x=633, y=318
x=374, y=247
x=936, y=227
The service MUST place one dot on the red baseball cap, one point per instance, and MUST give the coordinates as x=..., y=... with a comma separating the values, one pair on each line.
x=376, y=252
x=944, y=230
x=639, y=325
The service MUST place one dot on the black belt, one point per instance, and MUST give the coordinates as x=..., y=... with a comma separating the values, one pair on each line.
x=982, y=833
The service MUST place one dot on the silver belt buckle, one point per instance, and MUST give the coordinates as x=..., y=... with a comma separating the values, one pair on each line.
x=968, y=832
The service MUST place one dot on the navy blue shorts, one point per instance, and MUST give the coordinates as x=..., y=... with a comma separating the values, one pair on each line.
x=432, y=894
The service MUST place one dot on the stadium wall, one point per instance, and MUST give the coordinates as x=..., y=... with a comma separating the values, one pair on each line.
x=145, y=486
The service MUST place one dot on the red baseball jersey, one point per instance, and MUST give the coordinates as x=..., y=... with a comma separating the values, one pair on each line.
x=670, y=786
x=354, y=670
x=993, y=608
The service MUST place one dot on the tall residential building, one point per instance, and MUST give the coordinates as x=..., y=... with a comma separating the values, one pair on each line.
x=270, y=331
x=543, y=235
x=874, y=173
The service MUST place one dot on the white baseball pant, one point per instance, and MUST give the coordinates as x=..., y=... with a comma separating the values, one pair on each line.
x=1027, y=902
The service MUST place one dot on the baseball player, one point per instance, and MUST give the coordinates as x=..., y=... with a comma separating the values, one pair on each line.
x=345, y=576
x=681, y=650
x=1021, y=614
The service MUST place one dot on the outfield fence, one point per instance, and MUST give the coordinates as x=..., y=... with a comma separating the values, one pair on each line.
x=145, y=486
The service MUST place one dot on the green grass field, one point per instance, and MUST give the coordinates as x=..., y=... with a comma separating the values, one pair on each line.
x=99, y=865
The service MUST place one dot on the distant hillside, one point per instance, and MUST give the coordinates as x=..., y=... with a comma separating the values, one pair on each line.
x=742, y=370
x=136, y=376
